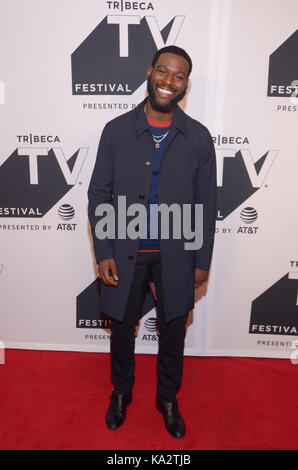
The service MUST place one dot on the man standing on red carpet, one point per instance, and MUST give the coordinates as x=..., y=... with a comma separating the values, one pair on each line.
x=154, y=161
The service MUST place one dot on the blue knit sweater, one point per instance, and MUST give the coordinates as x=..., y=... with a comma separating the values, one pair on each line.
x=153, y=244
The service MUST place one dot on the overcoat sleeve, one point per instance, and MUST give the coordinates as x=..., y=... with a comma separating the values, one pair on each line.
x=206, y=195
x=101, y=191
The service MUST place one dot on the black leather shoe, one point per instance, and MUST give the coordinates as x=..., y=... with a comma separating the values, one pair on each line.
x=117, y=410
x=173, y=419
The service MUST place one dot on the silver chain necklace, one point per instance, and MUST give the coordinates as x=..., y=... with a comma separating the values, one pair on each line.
x=159, y=138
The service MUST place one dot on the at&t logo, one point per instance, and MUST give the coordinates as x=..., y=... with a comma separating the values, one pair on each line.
x=248, y=215
x=66, y=212
x=151, y=325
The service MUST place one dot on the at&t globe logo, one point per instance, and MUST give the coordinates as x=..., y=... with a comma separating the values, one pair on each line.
x=248, y=215
x=66, y=212
x=151, y=324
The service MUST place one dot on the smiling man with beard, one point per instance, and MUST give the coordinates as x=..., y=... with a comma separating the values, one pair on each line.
x=155, y=154
x=163, y=96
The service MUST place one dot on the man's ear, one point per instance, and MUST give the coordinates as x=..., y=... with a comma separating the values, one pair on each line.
x=149, y=71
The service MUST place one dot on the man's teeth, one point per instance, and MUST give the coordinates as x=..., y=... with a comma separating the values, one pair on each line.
x=166, y=92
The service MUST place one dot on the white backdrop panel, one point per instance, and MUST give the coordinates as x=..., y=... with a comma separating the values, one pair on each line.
x=47, y=262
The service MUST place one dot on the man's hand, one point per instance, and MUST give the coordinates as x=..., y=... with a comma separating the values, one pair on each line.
x=107, y=271
x=201, y=276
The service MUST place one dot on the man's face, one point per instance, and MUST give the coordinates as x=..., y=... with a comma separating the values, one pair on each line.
x=167, y=81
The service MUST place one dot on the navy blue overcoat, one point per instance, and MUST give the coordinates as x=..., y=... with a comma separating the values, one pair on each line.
x=187, y=175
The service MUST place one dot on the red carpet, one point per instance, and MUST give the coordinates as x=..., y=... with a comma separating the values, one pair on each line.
x=58, y=400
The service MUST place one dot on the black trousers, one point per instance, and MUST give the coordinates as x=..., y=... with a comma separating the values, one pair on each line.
x=171, y=334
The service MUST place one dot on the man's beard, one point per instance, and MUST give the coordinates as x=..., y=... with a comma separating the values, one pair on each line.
x=170, y=106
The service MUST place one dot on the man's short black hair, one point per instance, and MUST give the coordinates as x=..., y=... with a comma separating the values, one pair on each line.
x=173, y=50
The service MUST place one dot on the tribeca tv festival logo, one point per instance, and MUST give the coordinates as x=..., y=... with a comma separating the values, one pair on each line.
x=283, y=73
x=283, y=69
x=88, y=308
x=115, y=56
x=275, y=311
x=240, y=173
x=35, y=177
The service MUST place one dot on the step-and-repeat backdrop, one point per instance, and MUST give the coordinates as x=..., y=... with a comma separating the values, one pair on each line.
x=66, y=68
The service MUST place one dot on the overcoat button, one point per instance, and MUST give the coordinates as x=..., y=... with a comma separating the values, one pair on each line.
x=141, y=196
x=147, y=164
x=130, y=257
